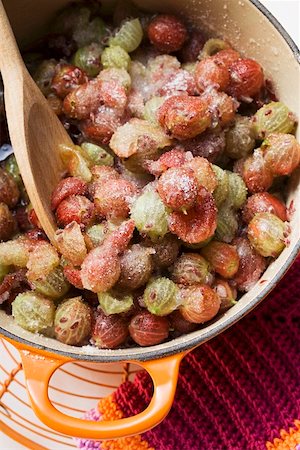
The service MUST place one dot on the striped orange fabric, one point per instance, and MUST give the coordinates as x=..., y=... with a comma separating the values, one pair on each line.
x=288, y=439
x=110, y=411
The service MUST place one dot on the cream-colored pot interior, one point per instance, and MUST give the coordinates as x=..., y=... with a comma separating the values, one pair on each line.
x=250, y=31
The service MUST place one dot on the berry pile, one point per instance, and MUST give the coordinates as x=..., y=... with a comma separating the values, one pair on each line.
x=172, y=204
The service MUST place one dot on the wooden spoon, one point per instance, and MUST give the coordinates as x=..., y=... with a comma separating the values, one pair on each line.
x=34, y=129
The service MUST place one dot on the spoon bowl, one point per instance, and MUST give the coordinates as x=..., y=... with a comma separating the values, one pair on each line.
x=35, y=131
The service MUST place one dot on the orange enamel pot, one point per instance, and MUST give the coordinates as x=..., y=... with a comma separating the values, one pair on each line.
x=254, y=32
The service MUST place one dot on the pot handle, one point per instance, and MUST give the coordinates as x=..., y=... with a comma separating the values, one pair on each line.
x=39, y=369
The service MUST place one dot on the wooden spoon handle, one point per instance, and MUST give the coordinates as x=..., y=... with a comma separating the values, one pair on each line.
x=10, y=57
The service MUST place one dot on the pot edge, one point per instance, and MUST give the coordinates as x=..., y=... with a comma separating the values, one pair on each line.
x=153, y=352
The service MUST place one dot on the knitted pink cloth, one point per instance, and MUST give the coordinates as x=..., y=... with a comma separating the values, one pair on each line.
x=237, y=391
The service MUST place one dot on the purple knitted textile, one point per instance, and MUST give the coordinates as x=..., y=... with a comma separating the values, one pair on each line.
x=86, y=444
x=237, y=391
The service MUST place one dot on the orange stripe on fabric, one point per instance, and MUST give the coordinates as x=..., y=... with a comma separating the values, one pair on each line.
x=288, y=439
x=110, y=411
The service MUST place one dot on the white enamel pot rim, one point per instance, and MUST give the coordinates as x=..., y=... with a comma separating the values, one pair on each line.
x=245, y=305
